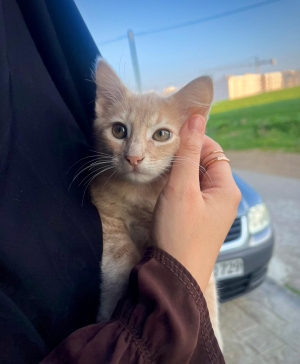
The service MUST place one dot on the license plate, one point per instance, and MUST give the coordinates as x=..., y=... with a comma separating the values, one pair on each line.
x=229, y=269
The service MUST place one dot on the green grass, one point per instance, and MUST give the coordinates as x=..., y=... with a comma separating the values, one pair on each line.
x=267, y=121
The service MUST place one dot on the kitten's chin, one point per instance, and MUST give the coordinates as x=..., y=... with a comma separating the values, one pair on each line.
x=139, y=177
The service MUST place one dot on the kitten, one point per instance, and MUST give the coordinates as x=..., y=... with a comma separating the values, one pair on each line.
x=137, y=137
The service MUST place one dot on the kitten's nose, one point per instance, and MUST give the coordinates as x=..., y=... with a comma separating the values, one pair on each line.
x=134, y=160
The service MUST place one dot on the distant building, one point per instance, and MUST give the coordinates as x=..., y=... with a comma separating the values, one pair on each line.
x=243, y=86
x=291, y=78
x=271, y=81
x=252, y=84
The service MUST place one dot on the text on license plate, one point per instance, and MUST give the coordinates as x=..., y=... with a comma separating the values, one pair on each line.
x=229, y=269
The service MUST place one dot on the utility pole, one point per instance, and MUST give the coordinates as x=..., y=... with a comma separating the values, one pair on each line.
x=134, y=60
x=258, y=63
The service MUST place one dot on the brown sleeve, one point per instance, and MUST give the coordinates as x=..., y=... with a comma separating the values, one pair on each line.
x=163, y=318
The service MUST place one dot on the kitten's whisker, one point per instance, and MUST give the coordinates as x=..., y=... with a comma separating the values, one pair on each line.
x=98, y=163
x=90, y=173
x=202, y=170
x=179, y=160
x=179, y=163
x=90, y=80
x=96, y=157
x=89, y=167
x=207, y=176
x=101, y=153
x=115, y=171
x=91, y=156
x=90, y=181
x=78, y=172
x=91, y=163
x=101, y=169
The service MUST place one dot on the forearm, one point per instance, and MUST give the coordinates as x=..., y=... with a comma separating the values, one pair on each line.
x=162, y=319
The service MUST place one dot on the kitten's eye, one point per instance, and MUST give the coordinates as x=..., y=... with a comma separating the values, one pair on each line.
x=162, y=135
x=119, y=131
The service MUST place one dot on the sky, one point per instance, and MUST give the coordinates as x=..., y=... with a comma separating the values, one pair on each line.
x=177, y=56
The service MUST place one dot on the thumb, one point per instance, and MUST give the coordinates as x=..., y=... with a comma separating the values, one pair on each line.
x=188, y=155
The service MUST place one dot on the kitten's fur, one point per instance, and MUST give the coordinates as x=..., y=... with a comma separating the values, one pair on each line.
x=124, y=197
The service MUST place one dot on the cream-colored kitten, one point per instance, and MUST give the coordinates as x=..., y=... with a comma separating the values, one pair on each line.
x=137, y=137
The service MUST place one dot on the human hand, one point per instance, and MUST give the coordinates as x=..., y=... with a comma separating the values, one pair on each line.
x=189, y=222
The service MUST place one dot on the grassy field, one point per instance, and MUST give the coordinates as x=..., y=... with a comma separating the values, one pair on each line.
x=266, y=121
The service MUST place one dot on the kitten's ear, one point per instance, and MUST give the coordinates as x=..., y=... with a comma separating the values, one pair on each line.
x=195, y=98
x=110, y=88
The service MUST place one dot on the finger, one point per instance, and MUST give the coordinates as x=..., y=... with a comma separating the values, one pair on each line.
x=218, y=174
x=191, y=135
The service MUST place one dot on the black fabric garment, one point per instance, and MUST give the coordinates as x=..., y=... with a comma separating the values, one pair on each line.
x=50, y=245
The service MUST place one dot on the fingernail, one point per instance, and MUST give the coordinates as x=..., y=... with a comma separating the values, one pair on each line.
x=196, y=123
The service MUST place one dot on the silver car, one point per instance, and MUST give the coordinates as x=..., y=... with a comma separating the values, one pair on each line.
x=243, y=260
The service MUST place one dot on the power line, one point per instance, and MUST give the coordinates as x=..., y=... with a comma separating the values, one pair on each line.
x=245, y=63
x=193, y=22
x=256, y=63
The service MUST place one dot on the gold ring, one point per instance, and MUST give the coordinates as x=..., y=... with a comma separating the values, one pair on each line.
x=213, y=152
x=217, y=160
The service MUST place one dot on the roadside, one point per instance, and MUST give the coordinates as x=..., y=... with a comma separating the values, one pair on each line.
x=282, y=196
x=263, y=326
x=271, y=162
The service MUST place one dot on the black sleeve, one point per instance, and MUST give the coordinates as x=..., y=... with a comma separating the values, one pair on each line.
x=50, y=244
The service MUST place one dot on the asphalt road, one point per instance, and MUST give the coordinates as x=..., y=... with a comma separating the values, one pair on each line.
x=282, y=196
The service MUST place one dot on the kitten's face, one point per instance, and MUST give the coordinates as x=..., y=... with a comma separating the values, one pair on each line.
x=141, y=132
